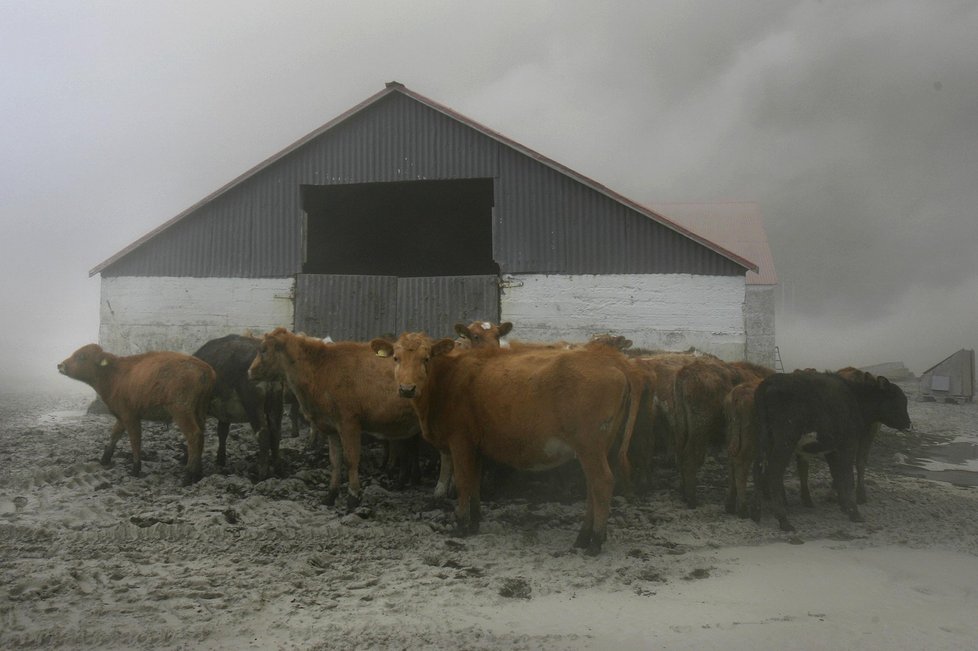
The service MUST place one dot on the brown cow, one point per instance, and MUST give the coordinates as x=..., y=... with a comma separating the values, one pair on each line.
x=344, y=389
x=532, y=410
x=741, y=429
x=481, y=334
x=700, y=388
x=148, y=386
x=656, y=422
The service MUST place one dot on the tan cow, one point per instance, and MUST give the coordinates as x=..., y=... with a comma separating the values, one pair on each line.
x=481, y=334
x=741, y=437
x=148, y=386
x=655, y=424
x=532, y=410
x=343, y=389
x=700, y=388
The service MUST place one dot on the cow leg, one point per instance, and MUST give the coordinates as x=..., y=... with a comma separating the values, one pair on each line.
x=135, y=429
x=350, y=437
x=195, y=447
x=117, y=431
x=223, y=427
x=842, y=469
x=739, y=469
x=294, y=417
x=777, y=463
x=466, y=471
x=273, y=420
x=335, y=466
x=444, y=475
x=600, y=484
x=862, y=457
x=802, y=464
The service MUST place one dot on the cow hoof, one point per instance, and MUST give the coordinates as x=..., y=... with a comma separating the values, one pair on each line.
x=785, y=525
x=856, y=516
x=331, y=496
x=352, y=502
x=106, y=460
x=593, y=549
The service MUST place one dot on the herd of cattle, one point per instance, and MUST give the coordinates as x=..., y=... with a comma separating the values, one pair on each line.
x=532, y=406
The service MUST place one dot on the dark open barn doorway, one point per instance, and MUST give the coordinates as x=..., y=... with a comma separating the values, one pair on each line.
x=404, y=229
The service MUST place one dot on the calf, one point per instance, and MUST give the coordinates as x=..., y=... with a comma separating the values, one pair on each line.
x=859, y=378
x=655, y=423
x=239, y=399
x=741, y=438
x=481, y=334
x=818, y=413
x=700, y=388
x=531, y=409
x=344, y=389
x=148, y=386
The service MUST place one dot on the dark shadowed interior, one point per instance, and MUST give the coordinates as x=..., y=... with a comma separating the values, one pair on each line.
x=404, y=229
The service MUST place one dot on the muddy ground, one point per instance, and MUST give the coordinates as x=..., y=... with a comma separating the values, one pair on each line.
x=91, y=557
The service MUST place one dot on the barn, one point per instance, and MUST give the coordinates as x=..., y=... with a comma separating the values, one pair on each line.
x=401, y=214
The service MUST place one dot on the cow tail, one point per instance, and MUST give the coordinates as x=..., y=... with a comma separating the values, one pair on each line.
x=636, y=389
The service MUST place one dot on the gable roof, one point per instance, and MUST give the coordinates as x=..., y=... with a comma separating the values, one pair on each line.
x=397, y=87
x=735, y=225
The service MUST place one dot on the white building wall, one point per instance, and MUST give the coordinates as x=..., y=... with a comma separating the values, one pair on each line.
x=759, y=319
x=655, y=311
x=177, y=313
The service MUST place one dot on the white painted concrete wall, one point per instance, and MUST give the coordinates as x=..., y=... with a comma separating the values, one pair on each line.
x=759, y=320
x=152, y=313
x=656, y=311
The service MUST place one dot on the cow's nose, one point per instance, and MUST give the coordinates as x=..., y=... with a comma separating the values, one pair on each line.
x=407, y=391
x=61, y=367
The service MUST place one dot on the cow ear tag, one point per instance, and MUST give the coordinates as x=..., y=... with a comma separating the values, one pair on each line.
x=104, y=362
x=381, y=353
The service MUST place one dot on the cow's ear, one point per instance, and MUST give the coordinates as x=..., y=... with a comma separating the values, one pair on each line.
x=882, y=382
x=461, y=330
x=442, y=346
x=382, y=348
x=504, y=328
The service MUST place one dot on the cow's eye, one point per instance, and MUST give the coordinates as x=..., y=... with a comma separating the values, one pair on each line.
x=397, y=359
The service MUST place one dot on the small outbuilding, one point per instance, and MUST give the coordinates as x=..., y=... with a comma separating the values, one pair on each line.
x=951, y=380
x=401, y=214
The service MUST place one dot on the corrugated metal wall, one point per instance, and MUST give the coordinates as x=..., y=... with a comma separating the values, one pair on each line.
x=362, y=307
x=544, y=221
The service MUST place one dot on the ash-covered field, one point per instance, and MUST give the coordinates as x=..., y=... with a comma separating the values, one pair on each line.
x=91, y=557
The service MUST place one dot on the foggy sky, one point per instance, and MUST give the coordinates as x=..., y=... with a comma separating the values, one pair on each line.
x=854, y=126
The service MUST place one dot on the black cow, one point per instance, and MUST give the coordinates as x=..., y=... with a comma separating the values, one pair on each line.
x=818, y=413
x=238, y=399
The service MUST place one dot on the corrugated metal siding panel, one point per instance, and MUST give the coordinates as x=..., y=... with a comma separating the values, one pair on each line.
x=345, y=307
x=549, y=223
x=436, y=304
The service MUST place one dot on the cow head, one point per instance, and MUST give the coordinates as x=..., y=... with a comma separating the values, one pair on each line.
x=482, y=334
x=412, y=354
x=269, y=362
x=893, y=405
x=84, y=363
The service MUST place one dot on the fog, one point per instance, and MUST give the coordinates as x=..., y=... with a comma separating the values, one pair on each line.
x=854, y=126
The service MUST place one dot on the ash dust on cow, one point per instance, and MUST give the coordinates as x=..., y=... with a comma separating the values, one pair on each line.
x=91, y=557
